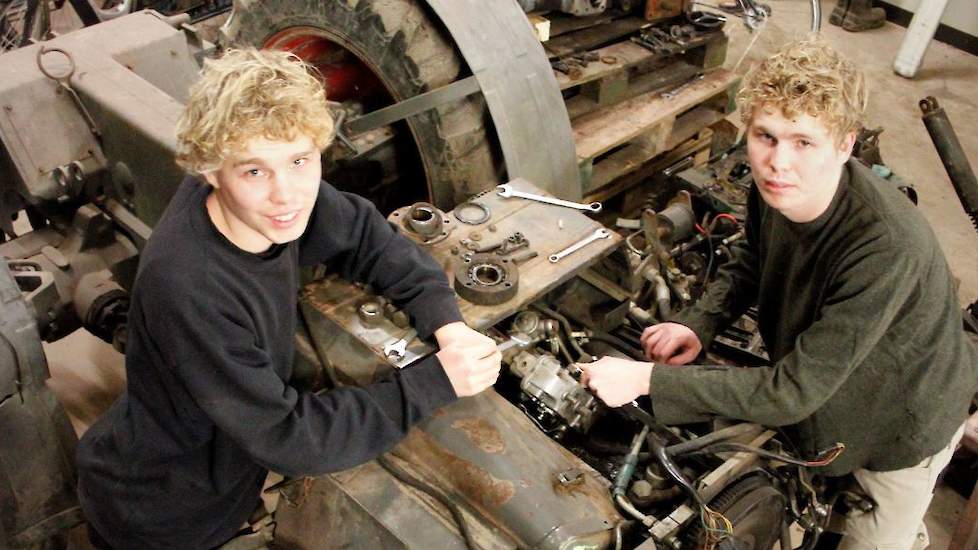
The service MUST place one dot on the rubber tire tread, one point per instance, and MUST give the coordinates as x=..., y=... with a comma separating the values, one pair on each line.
x=414, y=53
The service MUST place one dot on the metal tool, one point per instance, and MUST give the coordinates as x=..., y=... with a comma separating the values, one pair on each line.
x=514, y=341
x=395, y=350
x=597, y=235
x=506, y=190
x=668, y=95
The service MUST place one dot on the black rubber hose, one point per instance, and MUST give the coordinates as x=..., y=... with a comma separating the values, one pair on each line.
x=408, y=479
x=724, y=434
x=659, y=452
x=618, y=344
x=584, y=356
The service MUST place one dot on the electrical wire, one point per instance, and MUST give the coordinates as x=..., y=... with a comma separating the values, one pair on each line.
x=824, y=458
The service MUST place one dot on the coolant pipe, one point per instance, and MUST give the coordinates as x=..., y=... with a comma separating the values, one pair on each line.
x=663, y=303
x=625, y=475
x=629, y=463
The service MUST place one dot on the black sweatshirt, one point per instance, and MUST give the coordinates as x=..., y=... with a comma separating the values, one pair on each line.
x=861, y=320
x=179, y=459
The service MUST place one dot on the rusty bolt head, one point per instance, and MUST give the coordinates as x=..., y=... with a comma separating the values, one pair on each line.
x=454, y=250
x=493, y=228
x=640, y=490
x=475, y=236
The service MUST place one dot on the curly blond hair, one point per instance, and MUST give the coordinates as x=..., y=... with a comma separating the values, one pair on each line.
x=807, y=77
x=246, y=94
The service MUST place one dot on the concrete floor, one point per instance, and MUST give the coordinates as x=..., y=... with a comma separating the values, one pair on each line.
x=87, y=375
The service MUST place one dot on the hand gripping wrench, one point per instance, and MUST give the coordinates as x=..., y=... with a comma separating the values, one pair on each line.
x=597, y=235
x=507, y=191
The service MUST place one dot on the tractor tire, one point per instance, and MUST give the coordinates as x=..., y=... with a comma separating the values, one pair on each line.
x=404, y=44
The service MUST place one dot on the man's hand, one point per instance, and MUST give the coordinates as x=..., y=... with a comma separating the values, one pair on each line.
x=617, y=381
x=671, y=343
x=470, y=359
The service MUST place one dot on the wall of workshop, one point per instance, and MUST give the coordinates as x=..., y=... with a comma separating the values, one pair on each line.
x=959, y=14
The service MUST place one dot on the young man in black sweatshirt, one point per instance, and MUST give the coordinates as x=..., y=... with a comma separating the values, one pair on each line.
x=856, y=305
x=179, y=460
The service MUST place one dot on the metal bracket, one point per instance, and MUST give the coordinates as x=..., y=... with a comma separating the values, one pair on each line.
x=528, y=111
x=412, y=106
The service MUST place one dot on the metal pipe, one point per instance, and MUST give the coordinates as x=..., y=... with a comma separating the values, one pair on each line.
x=816, y=16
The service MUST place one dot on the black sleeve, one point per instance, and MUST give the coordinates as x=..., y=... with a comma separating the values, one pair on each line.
x=349, y=234
x=733, y=290
x=212, y=350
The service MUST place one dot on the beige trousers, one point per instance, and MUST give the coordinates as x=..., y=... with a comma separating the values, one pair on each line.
x=902, y=498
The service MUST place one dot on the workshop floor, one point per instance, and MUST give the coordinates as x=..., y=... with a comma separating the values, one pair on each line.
x=87, y=375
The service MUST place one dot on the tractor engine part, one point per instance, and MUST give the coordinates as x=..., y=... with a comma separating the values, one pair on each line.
x=486, y=279
x=37, y=479
x=552, y=387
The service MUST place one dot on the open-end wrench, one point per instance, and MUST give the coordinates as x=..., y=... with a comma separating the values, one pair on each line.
x=597, y=235
x=506, y=190
x=395, y=350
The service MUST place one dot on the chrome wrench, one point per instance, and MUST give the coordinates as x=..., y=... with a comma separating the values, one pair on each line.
x=506, y=190
x=597, y=235
x=395, y=350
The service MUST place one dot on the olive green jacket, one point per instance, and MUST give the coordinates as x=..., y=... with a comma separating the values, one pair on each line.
x=861, y=320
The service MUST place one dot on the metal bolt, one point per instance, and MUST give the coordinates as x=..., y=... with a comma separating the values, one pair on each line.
x=492, y=228
x=476, y=236
x=641, y=490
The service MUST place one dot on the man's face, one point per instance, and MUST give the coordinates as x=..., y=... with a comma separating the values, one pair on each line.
x=796, y=162
x=265, y=193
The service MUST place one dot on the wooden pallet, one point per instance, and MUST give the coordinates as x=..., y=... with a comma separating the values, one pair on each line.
x=613, y=141
x=694, y=151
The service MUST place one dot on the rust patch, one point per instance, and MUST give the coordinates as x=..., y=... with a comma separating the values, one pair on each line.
x=482, y=434
x=474, y=482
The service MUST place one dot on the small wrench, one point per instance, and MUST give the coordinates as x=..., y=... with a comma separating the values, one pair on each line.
x=597, y=235
x=395, y=350
x=506, y=190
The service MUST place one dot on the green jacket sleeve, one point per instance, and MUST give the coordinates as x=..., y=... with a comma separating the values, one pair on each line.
x=867, y=292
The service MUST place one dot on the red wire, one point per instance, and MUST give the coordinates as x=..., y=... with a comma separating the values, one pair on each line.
x=726, y=217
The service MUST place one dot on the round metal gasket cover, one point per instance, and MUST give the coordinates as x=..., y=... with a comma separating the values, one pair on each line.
x=472, y=213
x=486, y=279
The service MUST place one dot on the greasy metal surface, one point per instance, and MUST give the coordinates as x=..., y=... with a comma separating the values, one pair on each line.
x=482, y=450
x=36, y=460
x=549, y=228
x=367, y=508
x=519, y=86
x=131, y=74
x=494, y=458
